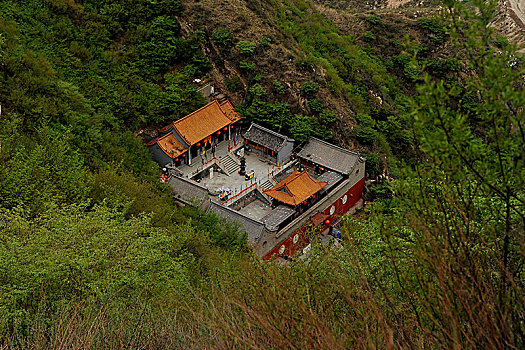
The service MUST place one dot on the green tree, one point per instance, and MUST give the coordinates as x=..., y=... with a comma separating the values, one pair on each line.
x=301, y=127
x=464, y=201
x=44, y=174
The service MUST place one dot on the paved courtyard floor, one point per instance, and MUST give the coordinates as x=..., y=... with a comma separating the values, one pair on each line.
x=256, y=210
x=235, y=182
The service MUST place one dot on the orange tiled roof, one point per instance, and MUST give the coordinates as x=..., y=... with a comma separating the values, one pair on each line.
x=205, y=121
x=166, y=128
x=169, y=144
x=202, y=123
x=296, y=188
x=230, y=112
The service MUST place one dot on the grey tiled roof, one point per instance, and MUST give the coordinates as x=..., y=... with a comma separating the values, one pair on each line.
x=266, y=137
x=331, y=177
x=252, y=227
x=188, y=191
x=277, y=216
x=329, y=156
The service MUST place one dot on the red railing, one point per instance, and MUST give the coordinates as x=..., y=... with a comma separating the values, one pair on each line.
x=241, y=192
x=234, y=145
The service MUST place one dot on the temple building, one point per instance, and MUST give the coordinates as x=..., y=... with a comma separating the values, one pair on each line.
x=183, y=140
x=273, y=146
x=296, y=189
x=166, y=149
x=257, y=180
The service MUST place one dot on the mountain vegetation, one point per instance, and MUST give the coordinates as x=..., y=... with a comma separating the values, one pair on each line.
x=94, y=253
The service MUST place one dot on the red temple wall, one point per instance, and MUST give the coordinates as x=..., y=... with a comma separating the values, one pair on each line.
x=299, y=239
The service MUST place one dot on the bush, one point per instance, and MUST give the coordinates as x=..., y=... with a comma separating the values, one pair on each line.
x=221, y=36
x=199, y=35
x=373, y=19
x=234, y=84
x=309, y=88
x=501, y=42
x=412, y=71
x=369, y=37
x=440, y=68
x=279, y=87
x=327, y=117
x=246, y=47
x=365, y=134
x=372, y=164
x=301, y=127
x=433, y=26
x=316, y=106
x=246, y=65
x=257, y=90
x=272, y=115
x=265, y=42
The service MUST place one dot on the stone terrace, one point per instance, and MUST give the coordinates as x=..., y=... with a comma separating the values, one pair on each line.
x=263, y=170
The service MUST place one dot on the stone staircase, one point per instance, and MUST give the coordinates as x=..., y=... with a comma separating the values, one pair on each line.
x=230, y=165
x=267, y=184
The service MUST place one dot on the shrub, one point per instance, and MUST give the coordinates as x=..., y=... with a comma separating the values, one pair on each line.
x=279, y=87
x=373, y=19
x=265, y=42
x=316, y=106
x=440, y=68
x=327, y=117
x=412, y=71
x=369, y=37
x=301, y=127
x=234, y=84
x=257, y=90
x=272, y=115
x=221, y=36
x=433, y=26
x=309, y=88
x=246, y=65
x=365, y=134
x=199, y=35
x=501, y=41
x=372, y=164
x=246, y=47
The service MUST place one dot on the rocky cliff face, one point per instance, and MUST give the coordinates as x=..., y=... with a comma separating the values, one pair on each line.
x=511, y=21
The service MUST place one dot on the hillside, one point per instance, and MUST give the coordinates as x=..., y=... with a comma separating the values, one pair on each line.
x=310, y=65
x=94, y=252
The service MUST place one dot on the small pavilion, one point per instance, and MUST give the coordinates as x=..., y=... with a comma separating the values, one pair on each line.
x=296, y=189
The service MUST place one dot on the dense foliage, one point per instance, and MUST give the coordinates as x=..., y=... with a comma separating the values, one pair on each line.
x=83, y=217
x=95, y=254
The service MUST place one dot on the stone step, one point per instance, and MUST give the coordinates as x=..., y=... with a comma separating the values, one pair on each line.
x=230, y=165
x=266, y=185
